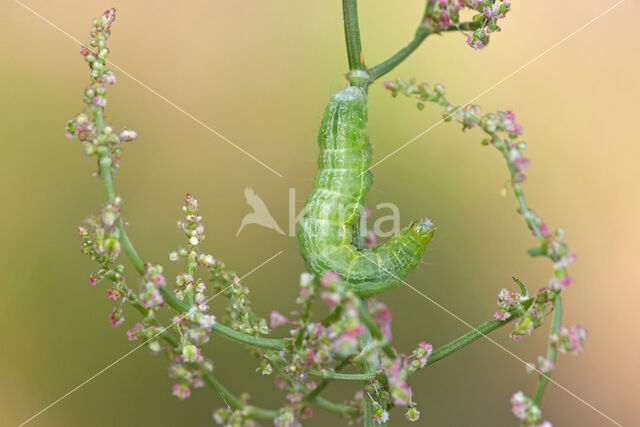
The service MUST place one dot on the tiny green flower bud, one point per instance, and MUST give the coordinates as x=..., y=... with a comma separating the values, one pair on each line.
x=190, y=353
x=154, y=346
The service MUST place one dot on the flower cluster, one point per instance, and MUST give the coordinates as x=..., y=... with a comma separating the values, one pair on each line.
x=526, y=411
x=230, y=417
x=543, y=365
x=390, y=387
x=98, y=138
x=152, y=280
x=508, y=303
x=316, y=345
x=100, y=236
x=534, y=315
x=346, y=328
x=444, y=15
x=563, y=257
x=382, y=316
x=241, y=317
x=570, y=340
x=101, y=241
x=191, y=290
x=188, y=373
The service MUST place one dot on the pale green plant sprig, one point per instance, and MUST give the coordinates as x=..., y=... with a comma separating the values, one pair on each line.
x=503, y=133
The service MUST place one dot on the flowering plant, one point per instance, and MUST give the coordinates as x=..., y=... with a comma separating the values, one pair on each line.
x=311, y=352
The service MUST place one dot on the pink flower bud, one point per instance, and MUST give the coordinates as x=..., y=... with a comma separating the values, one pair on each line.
x=277, y=319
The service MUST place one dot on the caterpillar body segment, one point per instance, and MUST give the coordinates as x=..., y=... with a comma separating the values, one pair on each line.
x=335, y=205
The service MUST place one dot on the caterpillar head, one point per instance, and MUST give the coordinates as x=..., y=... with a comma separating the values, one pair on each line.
x=422, y=230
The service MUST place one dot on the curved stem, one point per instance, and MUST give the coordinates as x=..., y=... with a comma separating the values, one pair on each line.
x=391, y=63
x=335, y=407
x=236, y=403
x=240, y=337
x=352, y=34
x=551, y=350
x=421, y=33
x=310, y=396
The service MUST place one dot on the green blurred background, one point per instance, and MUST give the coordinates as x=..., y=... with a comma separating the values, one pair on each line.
x=261, y=73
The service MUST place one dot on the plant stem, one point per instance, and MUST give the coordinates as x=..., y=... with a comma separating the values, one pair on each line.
x=551, y=350
x=391, y=63
x=352, y=34
x=422, y=32
x=310, y=396
x=335, y=407
x=105, y=172
x=367, y=366
x=236, y=403
x=240, y=337
x=333, y=375
x=375, y=330
x=468, y=338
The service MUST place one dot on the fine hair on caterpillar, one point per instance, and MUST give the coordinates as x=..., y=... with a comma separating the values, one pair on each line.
x=328, y=236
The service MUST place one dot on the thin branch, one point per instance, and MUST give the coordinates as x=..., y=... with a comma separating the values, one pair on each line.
x=422, y=32
x=551, y=350
x=311, y=395
x=333, y=375
x=352, y=34
x=236, y=403
x=368, y=366
x=375, y=329
x=468, y=338
x=335, y=407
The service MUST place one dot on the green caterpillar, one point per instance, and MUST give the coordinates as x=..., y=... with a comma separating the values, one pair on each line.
x=332, y=210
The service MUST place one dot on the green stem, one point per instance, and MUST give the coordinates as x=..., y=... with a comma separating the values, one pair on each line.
x=236, y=403
x=374, y=329
x=240, y=337
x=310, y=396
x=105, y=171
x=468, y=338
x=335, y=407
x=391, y=63
x=551, y=350
x=303, y=323
x=172, y=300
x=352, y=34
x=421, y=33
x=333, y=375
x=367, y=366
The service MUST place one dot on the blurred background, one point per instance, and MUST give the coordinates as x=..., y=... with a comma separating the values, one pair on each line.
x=261, y=73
